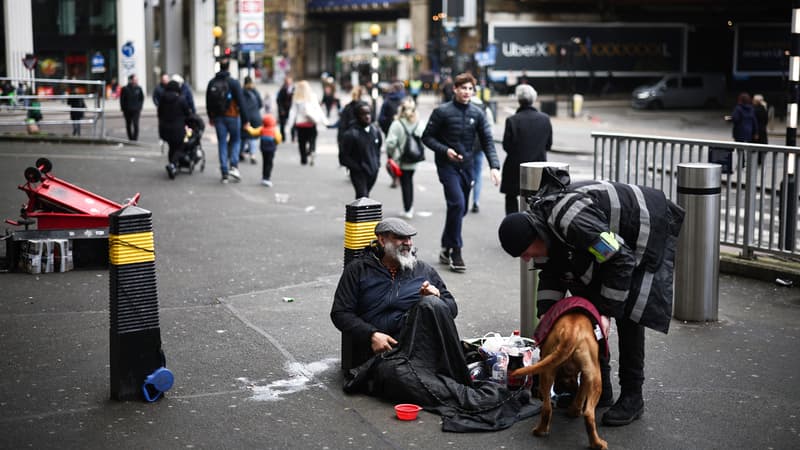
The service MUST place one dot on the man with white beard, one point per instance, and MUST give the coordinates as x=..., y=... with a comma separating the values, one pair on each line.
x=376, y=290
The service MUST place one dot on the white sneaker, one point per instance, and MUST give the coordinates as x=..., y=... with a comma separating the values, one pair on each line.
x=266, y=183
x=234, y=173
x=409, y=214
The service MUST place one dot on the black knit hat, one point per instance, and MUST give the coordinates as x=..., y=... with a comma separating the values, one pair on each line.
x=516, y=233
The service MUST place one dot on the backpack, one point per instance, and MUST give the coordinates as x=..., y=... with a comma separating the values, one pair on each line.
x=218, y=97
x=413, y=151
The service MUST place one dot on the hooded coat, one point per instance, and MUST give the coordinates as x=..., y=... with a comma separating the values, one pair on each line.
x=635, y=281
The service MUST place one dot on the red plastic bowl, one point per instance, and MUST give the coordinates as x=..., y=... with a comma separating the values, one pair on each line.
x=407, y=411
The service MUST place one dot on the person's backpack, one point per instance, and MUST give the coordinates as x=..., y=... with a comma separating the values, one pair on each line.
x=413, y=151
x=218, y=97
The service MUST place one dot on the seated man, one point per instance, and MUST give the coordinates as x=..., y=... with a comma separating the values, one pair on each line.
x=401, y=309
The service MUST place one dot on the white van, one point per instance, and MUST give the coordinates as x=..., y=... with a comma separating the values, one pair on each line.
x=681, y=91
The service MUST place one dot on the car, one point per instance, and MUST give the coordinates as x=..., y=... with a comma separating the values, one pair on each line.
x=681, y=91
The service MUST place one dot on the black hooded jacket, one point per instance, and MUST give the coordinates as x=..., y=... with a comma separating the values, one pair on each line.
x=456, y=125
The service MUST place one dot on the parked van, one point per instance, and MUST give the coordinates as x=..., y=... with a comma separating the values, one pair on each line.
x=681, y=91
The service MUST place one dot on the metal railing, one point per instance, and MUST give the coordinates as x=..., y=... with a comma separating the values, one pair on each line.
x=759, y=201
x=52, y=103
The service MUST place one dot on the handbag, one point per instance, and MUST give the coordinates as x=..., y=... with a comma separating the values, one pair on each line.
x=393, y=168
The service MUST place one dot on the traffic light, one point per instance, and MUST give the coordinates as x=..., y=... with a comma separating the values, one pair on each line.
x=407, y=48
x=227, y=52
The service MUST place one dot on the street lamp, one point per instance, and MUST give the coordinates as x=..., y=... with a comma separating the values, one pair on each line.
x=217, y=33
x=374, y=31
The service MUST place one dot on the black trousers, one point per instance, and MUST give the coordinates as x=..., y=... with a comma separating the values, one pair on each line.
x=512, y=203
x=407, y=188
x=631, y=356
x=132, y=124
x=362, y=182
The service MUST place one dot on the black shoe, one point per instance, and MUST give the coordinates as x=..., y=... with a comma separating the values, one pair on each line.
x=456, y=261
x=475, y=208
x=628, y=408
x=171, y=171
x=444, y=256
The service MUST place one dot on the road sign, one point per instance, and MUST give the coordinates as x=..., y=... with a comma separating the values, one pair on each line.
x=29, y=61
x=251, y=24
x=127, y=49
x=98, y=63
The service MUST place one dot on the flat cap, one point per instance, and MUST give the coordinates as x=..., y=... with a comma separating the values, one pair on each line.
x=396, y=226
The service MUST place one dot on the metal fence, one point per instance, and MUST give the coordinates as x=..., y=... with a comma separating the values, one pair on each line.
x=759, y=198
x=49, y=96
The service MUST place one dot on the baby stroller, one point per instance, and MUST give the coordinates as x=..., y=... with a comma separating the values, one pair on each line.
x=193, y=153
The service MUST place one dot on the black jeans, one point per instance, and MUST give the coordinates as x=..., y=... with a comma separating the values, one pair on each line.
x=362, y=182
x=307, y=142
x=132, y=124
x=267, y=154
x=407, y=188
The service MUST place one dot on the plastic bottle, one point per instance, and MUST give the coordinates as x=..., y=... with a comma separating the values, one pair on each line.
x=499, y=369
x=515, y=340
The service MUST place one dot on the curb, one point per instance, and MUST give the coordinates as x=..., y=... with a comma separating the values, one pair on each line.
x=765, y=268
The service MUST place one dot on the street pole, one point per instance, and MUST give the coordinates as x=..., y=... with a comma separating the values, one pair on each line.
x=217, y=33
x=374, y=31
x=792, y=99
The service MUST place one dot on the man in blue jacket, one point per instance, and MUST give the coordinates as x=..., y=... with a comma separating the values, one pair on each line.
x=451, y=133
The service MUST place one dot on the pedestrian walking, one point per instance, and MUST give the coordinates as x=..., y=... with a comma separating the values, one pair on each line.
x=745, y=125
x=172, y=114
x=284, y=101
x=76, y=113
x=405, y=126
x=252, y=111
x=450, y=133
x=329, y=97
x=388, y=111
x=159, y=90
x=762, y=118
x=186, y=91
x=270, y=138
x=361, y=151
x=347, y=116
x=304, y=115
x=528, y=137
x=477, y=158
x=224, y=106
x=131, y=101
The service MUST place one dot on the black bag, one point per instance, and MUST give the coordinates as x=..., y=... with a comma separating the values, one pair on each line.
x=218, y=97
x=413, y=151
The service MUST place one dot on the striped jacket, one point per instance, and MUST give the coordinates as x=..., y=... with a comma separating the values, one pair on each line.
x=633, y=281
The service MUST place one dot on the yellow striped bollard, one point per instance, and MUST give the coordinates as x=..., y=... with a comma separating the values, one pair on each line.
x=360, y=219
x=137, y=360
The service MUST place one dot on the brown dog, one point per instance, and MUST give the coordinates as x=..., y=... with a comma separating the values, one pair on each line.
x=572, y=347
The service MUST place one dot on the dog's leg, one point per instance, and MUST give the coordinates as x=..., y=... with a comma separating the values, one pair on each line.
x=590, y=390
x=545, y=384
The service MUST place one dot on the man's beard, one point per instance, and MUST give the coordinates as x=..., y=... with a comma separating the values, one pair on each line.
x=403, y=254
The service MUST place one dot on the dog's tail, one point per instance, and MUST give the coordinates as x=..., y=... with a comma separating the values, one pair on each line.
x=566, y=347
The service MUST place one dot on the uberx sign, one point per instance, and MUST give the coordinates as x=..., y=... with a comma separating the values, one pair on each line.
x=540, y=49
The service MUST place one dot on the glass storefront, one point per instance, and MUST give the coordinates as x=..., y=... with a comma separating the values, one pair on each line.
x=75, y=38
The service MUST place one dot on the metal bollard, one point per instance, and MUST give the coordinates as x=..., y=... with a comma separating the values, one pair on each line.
x=530, y=178
x=137, y=360
x=361, y=217
x=697, y=259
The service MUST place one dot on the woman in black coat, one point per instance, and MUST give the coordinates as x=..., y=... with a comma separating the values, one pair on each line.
x=172, y=114
x=528, y=137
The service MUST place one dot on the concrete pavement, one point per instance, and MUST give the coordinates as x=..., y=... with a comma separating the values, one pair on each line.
x=253, y=371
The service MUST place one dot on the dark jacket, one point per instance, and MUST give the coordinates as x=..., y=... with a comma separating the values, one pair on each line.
x=172, y=114
x=391, y=104
x=158, y=92
x=762, y=117
x=744, y=123
x=361, y=149
x=76, y=103
x=186, y=92
x=646, y=225
x=528, y=137
x=131, y=98
x=235, y=106
x=367, y=299
x=455, y=125
x=252, y=107
x=284, y=100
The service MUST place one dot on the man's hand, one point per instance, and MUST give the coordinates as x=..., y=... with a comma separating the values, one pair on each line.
x=382, y=342
x=495, y=177
x=428, y=289
x=453, y=155
x=605, y=323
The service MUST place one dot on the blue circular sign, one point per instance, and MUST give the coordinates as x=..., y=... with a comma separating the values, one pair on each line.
x=98, y=60
x=127, y=49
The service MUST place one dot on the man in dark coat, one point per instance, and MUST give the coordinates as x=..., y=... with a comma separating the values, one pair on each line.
x=131, y=100
x=172, y=114
x=361, y=151
x=398, y=309
x=450, y=133
x=613, y=244
x=284, y=102
x=528, y=137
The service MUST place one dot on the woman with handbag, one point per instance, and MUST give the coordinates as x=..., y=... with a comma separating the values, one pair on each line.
x=398, y=148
